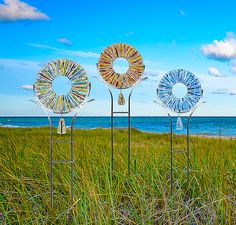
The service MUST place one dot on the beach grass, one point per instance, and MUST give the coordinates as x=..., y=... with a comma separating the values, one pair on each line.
x=141, y=198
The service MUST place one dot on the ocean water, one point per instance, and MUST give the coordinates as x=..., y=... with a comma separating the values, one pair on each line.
x=217, y=126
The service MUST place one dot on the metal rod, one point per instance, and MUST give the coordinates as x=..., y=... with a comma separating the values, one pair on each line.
x=188, y=147
x=188, y=151
x=112, y=136
x=129, y=125
x=171, y=154
x=112, y=132
x=50, y=153
x=61, y=161
x=51, y=165
x=171, y=145
x=72, y=162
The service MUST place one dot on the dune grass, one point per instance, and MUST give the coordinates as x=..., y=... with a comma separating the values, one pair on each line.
x=141, y=198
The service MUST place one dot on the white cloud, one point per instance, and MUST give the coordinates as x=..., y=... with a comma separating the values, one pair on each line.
x=232, y=92
x=220, y=91
x=215, y=72
x=151, y=73
x=67, y=52
x=154, y=75
x=225, y=91
x=27, y=87
x=182, y=13
x=35, y=65
x=64, y=41
x=18, y=64
x=13, y=10
x=222, y=50
x=233, y=67
x=211, y=83
x=151, y=63
x=129, y=34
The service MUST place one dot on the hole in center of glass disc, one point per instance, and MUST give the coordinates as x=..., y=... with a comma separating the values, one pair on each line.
x=120, y=65
x=179, y=90
x=61, y=85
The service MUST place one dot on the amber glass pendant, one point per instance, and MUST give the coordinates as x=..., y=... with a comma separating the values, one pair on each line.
x=121, y=99
x=61, y=126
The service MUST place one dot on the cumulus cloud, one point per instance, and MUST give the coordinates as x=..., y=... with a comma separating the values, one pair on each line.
x=215, y=72
x=64, y=41
x=13, y=10
x=222, y=50
x=27, y=87
x=67, y=52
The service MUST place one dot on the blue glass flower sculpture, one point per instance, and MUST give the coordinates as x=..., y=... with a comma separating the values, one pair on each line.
x=179, y=104
x=190, y=100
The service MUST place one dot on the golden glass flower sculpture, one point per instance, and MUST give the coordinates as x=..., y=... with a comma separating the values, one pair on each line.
x=120, y=80
x=113, y=78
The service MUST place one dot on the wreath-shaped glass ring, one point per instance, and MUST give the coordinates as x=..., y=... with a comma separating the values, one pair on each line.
x=61, y=104
x=113, y=78
x=169, y=100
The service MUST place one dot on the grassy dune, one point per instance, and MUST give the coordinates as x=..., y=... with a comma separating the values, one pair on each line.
x=141, y=198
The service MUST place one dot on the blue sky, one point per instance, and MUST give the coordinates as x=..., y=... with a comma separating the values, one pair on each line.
x=198, y=36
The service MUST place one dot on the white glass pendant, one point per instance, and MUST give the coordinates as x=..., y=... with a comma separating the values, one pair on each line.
x=179, y=124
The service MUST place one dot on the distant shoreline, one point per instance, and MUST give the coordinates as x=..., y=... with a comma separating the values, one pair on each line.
x=198, y=135
x=159, y=133
x=201, y=126
x=214, y=136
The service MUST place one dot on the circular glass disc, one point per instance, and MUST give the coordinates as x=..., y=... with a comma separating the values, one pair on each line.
x=62, y=86
x=120, y=77
x=179, y=90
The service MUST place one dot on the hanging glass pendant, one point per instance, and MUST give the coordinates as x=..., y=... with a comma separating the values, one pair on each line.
x=179, y=124
x=61, y=126
x=121, y=99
